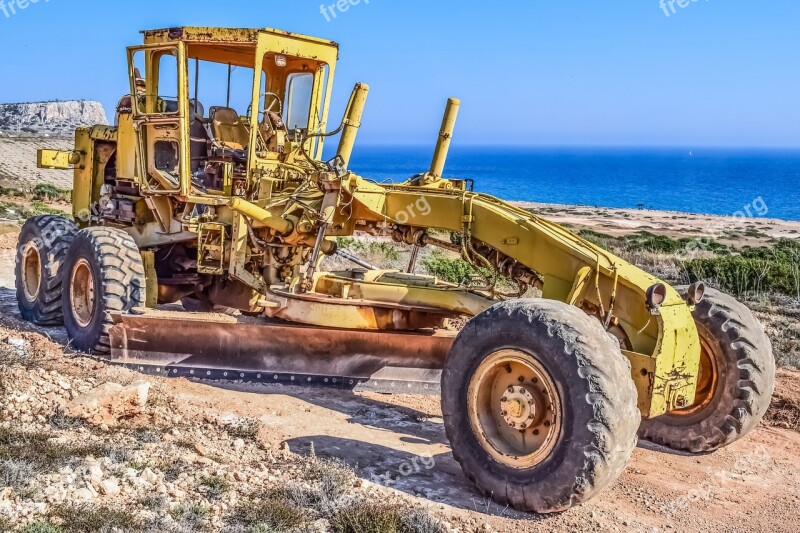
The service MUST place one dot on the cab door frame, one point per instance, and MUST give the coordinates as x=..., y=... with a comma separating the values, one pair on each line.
x=154, y=124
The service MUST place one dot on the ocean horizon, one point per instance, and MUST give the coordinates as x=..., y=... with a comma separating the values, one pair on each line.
x=713, y=181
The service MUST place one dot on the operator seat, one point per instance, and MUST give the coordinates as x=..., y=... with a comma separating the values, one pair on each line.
x=198, y=135
x=229, y=134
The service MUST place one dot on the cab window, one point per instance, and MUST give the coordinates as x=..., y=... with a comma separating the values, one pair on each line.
x=297, y=106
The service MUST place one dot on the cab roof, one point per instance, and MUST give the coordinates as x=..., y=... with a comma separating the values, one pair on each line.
x=237, y=46
x=207, y=35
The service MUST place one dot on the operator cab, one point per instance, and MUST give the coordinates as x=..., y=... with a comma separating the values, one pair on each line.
x=264, y=91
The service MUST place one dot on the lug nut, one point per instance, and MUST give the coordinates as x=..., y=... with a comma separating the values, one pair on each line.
x=504, y=399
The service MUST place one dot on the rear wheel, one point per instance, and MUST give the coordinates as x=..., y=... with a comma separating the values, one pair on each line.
x=103, y=273
x=735, y=383
x=42, y=248
x=539, y=405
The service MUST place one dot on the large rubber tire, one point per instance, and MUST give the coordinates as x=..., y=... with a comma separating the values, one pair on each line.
x=107, y=261
x=598, y=400
x=42, y=248
x=742, y=391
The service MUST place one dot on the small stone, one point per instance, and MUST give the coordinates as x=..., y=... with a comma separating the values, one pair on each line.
x=95, y=470
x=64, y=384
x=149, y=476
x=200, y=449
x=109, y=487
x=83, y=494
x=238, y=445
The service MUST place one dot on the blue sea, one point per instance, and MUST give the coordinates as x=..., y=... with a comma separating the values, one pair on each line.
x=720, y=182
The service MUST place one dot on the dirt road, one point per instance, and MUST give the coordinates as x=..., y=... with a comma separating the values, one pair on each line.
x=399, y=441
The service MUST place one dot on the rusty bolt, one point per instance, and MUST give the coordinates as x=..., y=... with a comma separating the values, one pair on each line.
x=535, y=431
x=521, y=379
x=512, y=424
x=547, y=423
x=511, y=389
x=504, y=399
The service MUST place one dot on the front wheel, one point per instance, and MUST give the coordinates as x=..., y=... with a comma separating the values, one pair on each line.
x=539, y=405
x=735, y=382
x=43, y=245
x=103, y=273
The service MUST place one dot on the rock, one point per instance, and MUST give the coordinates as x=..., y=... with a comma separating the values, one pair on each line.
x=238, y=445
x=95, y=470
x=20, y=345
x=149, y=476
x=200, y=449
x=50, y=117
x=109, y=402
x=83, y=495
x=109, y=487
x=64, y=384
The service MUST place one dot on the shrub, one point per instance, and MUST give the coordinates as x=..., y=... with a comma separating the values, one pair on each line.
x=215, y=485
x=88, y=518
x=270, y=513
x=368, y=518
x=39, y=527
x=451, y=270
x=47, y=192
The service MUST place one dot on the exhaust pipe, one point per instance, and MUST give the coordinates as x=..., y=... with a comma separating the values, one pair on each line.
x=445, y=136
x=352, y=122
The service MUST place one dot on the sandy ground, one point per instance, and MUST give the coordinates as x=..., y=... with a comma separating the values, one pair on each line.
x=399, y=441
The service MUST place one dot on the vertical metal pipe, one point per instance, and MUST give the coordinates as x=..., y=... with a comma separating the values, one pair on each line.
x=352, y=122
x=196, y=88
x=445, y=136
x=228, y=101
x=412, y=264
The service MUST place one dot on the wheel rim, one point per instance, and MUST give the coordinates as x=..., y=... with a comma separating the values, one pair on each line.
x=82, y=293
x=31, y=272
x=707, y=377
x=514, y=409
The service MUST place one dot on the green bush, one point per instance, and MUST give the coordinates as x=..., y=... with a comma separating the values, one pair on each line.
x=368, y=518
x=47, y=192
x=754, y=271
x=451, y=270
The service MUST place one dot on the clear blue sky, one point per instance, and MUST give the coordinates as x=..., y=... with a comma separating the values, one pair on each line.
x=529, y=72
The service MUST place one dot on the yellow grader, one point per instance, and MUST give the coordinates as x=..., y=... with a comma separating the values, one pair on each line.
x=543, y=398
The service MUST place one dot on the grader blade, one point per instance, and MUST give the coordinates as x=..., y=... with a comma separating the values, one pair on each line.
x=220, y=347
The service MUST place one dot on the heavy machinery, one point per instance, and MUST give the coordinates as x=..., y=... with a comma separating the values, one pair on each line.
x=542, y=397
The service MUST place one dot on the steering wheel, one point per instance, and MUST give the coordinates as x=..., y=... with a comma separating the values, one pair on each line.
x=277, y=100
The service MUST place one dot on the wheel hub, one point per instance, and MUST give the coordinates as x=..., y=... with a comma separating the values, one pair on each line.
x=82, y=293
x=514, y=409
x=518, y=407
x=31, y=272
